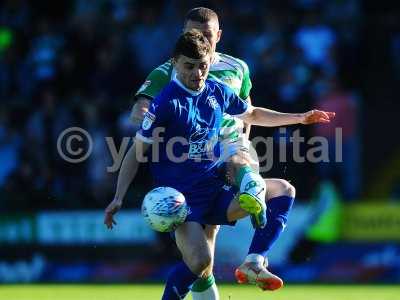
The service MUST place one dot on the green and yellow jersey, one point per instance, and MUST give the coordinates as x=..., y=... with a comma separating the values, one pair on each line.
x=230, y=70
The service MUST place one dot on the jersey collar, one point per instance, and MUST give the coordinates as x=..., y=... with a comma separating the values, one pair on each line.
x=191, y=92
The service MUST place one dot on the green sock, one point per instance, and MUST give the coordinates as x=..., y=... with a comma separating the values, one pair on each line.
x=202, y=284
x=240, y=174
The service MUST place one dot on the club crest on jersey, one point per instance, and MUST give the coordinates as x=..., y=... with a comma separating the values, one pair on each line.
x=212, y=101
x=148, y=120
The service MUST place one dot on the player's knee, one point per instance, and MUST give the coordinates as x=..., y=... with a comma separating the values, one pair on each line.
x=201, y=262
x=238, y=161
x=289, y=190
x=286, y=189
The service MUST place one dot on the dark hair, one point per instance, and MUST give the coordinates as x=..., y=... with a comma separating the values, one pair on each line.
x=192, y=44
x=201, y=15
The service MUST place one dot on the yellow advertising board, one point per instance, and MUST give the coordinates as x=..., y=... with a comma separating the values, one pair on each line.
x=371, y=222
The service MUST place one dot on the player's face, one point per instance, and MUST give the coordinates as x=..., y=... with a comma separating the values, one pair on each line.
x=192, y=72
x=210, y=30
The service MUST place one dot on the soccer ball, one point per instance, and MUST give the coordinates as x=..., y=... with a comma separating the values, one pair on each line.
x=164, y=209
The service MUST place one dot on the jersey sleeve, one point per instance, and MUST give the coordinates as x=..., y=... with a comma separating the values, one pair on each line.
x=233, y=104
x=160, y=112
x=246, y=82
x=155, y=81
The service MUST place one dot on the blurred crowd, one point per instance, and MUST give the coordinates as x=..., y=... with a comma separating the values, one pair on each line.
x=78, y=63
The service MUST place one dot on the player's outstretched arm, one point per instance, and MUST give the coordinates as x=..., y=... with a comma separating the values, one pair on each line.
x=139, y=109
x=127, y=173
x=270, y=118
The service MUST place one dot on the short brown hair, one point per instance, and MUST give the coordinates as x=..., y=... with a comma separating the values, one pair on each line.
x=201, y=15
x=192, y=44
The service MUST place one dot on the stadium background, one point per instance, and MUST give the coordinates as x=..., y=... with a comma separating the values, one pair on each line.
x=78, y=63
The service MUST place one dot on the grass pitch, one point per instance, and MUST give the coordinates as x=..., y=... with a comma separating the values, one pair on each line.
x=228, y=292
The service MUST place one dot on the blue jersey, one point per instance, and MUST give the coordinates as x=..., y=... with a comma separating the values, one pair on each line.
x=183, y=127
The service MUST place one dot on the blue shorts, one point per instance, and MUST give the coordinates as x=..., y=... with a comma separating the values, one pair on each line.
x=211, y=208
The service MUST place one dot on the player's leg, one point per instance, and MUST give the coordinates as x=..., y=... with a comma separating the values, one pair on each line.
x=241, y=161
x=253, y=270
x=192, y=243
x=204, y=289
x=211, y=232
x=179, y=279
x=280, y=197
x=196, y=253
x=251, y=186
x=195, y=245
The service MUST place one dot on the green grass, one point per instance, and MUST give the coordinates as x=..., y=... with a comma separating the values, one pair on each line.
x=228, y=292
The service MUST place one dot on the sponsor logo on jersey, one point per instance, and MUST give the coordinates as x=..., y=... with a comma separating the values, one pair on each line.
x=148, y=120
x=144, y=86
x=200, y=147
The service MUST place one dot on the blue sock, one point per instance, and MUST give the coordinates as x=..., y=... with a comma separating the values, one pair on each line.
x=277, y=213
x=178, y=282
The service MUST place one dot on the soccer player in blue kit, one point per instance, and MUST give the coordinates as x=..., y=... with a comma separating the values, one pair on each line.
x=188, y=112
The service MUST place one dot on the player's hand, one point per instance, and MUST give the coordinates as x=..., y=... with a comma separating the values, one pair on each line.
x=317, y=116
x=110, y=211
x=139, y=110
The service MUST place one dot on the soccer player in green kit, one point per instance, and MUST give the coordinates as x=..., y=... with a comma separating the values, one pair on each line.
x=253, y=189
